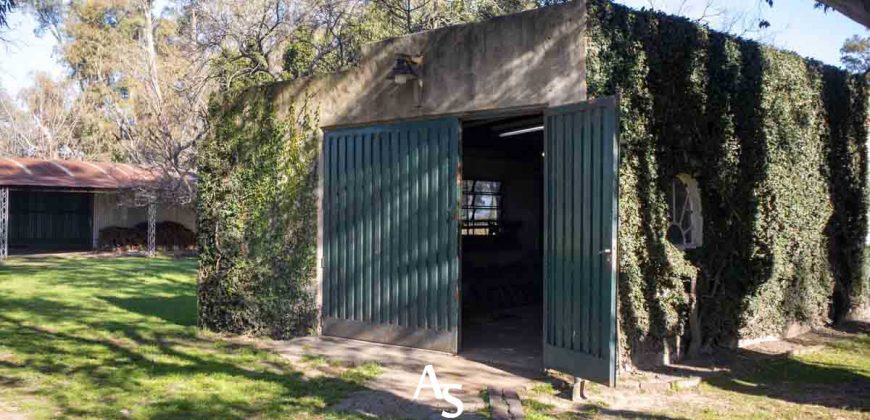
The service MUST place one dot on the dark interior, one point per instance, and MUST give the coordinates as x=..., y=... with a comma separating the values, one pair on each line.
x=502, y=231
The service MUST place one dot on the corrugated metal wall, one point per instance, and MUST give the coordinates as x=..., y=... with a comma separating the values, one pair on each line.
x=580, y=219
x=391, y=234
x=49, y=221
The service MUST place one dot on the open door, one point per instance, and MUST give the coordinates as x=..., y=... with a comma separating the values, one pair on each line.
x=391, y=234
x=580, y=219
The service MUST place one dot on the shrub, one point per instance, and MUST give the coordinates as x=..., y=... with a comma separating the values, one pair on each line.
x=257, y=219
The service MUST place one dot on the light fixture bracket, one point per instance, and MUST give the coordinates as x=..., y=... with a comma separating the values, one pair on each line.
x=406, y=67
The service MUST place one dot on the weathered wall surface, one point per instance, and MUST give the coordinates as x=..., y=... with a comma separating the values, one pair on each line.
x=530, y=59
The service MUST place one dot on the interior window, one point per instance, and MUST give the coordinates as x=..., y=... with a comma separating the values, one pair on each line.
x=481, y=207
x=684, y=203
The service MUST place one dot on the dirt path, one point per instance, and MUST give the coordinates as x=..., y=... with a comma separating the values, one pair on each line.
x=391, y=394
x=10, y=412
x=795, y=378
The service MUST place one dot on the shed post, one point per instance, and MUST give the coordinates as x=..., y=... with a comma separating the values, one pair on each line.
x=4, y=223
x=95, y=234
x=320, y=220
x=152, y=217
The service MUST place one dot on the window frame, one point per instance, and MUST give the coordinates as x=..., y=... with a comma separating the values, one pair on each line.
x=487, y=227
x=693, y=200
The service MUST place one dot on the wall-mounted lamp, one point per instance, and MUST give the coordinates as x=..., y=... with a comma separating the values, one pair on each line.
x=407, y=68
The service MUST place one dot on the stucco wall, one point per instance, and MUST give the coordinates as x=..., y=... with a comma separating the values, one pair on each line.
x=527, y=60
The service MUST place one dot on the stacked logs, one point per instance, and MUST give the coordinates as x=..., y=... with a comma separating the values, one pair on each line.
x=168, y=235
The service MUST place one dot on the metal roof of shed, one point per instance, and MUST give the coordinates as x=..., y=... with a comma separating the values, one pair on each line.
x=24, y=172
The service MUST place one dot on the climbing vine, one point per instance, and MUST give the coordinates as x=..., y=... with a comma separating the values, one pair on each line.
x=777, y=144
x=257, y=220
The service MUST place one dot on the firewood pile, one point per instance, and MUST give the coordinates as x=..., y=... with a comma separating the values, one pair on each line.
x=169, y=236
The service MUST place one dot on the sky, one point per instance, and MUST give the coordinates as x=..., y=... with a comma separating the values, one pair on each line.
x=794, y=25
x=25, y=53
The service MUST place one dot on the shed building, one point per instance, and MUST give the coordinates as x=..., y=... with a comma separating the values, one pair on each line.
x=469, y=189
x=62, y=205
x=448, y=196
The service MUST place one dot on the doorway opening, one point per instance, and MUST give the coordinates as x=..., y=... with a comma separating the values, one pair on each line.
x=502, y=241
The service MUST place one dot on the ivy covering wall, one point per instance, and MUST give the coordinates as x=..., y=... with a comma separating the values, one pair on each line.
x=257, y=219
x=777, y=144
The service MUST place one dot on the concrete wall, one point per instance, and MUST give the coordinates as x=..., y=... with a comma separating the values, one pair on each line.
x=107, y=213
x=527, y=60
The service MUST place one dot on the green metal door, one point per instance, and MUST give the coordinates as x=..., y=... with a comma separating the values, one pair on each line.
x=50, y=221
x=580, y=219
x=391, y=234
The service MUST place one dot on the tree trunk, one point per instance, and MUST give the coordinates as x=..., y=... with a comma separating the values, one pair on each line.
x=151, y=51
x=695, y=338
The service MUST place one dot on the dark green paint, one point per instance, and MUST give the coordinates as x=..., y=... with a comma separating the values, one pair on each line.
x=580, y=217
x=391, y=254
x=43, y=220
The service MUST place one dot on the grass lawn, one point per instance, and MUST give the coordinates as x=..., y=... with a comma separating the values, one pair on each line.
x=116, y=338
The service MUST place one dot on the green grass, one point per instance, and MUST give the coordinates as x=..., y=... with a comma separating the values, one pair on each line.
x=116, y=338
x=543, y=388
x=316, y=360
x=831, y=383
x=536, y=410
x=486, y=411
x=362, y=373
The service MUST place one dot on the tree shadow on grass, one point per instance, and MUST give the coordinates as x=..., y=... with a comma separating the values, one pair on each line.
x=112, y=369
x=625, y=414
x=86, y=359
x=179, y=310
x=790, y=379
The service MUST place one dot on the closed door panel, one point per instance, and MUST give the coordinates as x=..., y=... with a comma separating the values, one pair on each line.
x=50, y=221
x=391, y=249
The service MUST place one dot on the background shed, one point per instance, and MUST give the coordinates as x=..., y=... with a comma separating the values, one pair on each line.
x=59, y=205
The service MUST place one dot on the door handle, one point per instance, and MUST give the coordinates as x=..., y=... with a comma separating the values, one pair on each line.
x=605, y=252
